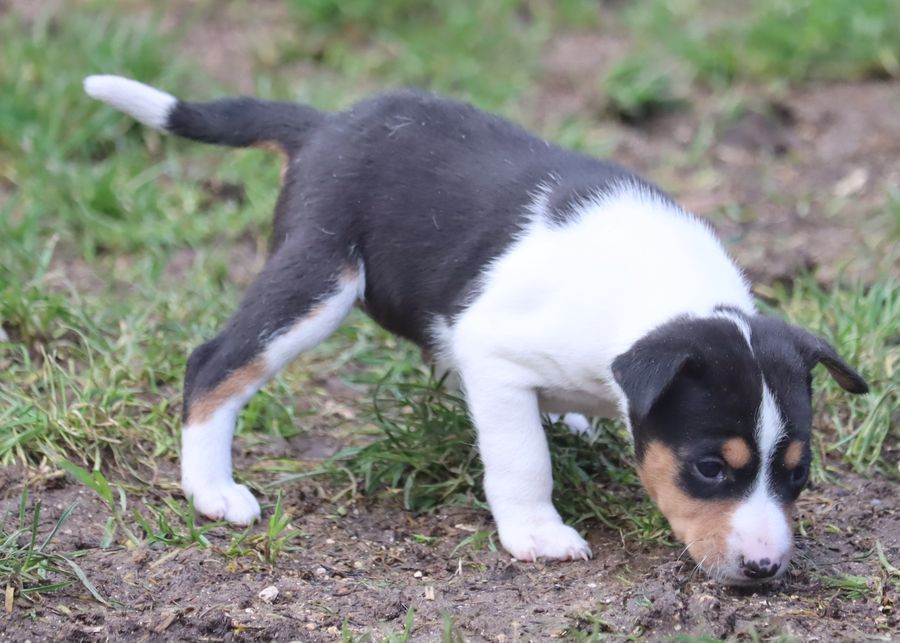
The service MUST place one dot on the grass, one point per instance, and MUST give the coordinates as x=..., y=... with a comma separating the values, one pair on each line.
x=426, y=457
x=638, y=89
x=116, y=258
x=772, y=42
x=176, y=527
x=96, y=214
x=28, y=565
x=790, y=40
x=865, y=322
x=438, y=45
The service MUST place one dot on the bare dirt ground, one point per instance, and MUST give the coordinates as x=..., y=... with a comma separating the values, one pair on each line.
x=371, y=565
x=810, y=168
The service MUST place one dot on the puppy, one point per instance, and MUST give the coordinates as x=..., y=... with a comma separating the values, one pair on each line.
x=547, y=281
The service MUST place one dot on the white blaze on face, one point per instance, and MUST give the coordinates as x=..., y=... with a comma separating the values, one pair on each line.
x=760, y=527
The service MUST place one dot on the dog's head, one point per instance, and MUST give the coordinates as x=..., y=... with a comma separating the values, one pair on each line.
x=720, y=409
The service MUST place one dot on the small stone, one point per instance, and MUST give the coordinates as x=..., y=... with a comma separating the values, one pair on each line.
x=139, y=556
x=852, y=183
x=269, y=594
x=321, y=571
x=417, y=575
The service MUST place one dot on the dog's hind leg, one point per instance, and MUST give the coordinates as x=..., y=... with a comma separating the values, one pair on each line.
x=301, y=296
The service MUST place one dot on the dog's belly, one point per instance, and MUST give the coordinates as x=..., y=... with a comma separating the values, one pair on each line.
x=600, y=402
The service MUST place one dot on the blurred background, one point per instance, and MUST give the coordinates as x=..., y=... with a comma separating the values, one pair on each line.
x=120, y=249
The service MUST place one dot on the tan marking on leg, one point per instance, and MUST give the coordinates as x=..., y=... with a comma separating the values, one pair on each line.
x=203, y=406
x=736, y=452
x=794, y=454
x=703, y=525
x=313, y=312
x=348, y=275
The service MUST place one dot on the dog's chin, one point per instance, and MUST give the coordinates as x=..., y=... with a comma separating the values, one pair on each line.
x=732, y=576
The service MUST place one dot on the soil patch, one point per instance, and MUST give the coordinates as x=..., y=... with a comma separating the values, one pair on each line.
x=363, y=570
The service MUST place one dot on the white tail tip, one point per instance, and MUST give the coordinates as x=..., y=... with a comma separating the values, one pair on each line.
x=146, y=104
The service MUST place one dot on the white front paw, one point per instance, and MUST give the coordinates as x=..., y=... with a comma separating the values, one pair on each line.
x=228, y=500
x=544, y=540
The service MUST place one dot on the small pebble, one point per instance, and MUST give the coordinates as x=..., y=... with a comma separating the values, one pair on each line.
x=269, y=594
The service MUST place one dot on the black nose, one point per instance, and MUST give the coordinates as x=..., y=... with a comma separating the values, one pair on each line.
x=759, y=568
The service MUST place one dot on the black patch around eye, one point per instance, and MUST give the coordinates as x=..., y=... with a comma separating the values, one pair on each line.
x=788, y=483
x=711, y=470
x=706, y=476
x=799, y=475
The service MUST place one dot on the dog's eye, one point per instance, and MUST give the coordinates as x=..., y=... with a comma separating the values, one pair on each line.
x=711, y=469
x=799, y=475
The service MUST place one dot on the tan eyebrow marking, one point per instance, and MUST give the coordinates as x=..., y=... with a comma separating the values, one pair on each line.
x=736, y=452
x=794, y=454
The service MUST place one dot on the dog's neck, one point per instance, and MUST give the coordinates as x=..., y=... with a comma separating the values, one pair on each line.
x=632, y=251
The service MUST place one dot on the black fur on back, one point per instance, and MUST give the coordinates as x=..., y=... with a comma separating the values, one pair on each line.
x=425, y=191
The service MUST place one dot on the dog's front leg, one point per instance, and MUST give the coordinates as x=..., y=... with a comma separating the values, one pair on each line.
x=518, y=480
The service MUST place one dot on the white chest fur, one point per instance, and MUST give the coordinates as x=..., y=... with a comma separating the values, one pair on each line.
x=564, y=301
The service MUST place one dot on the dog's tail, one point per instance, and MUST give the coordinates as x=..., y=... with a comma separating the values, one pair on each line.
x=237, y=122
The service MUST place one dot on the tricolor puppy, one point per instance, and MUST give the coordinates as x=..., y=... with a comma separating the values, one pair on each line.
x=546, y=280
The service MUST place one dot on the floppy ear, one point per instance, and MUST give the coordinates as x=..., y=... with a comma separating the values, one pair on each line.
x=816, y=350
x=647, y=370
